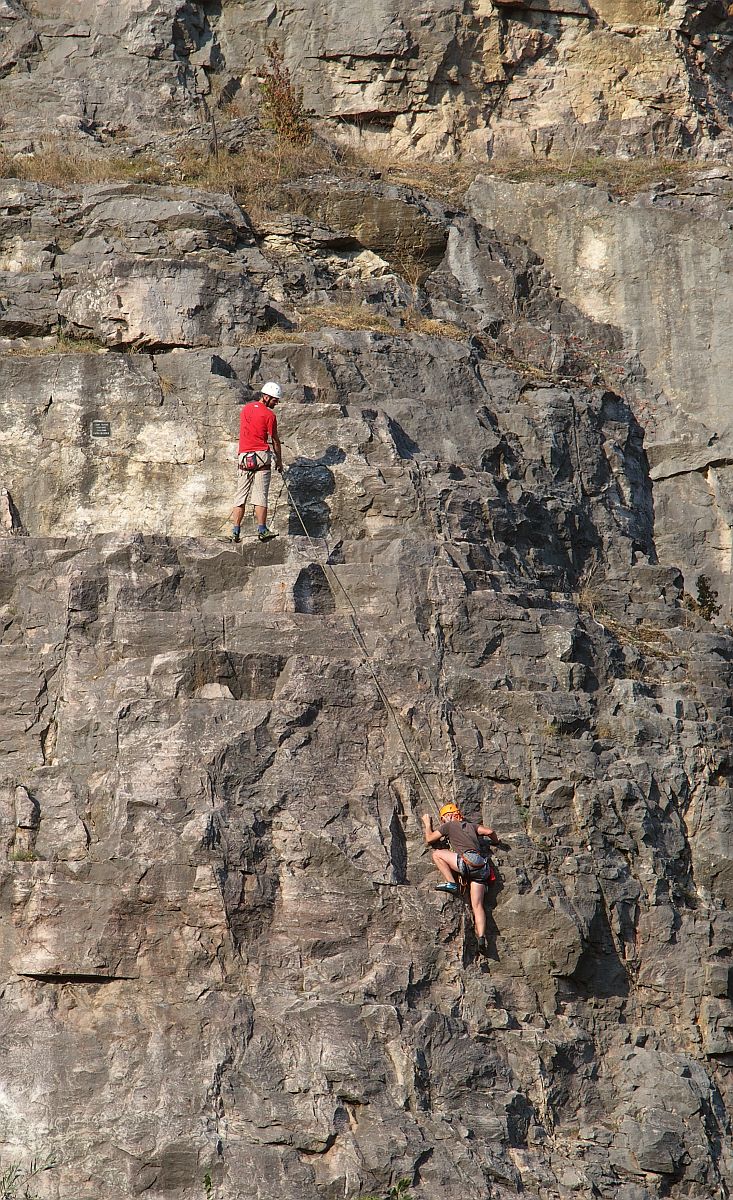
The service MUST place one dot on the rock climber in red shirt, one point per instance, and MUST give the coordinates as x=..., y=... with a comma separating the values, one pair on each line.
x=258, y=442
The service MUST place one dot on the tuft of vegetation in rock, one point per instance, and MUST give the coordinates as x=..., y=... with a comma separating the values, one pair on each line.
x=15, y=1181
x=258, y=179
x=281, y=102
x=398, y=1191
x=355, y=318
x=706, y=603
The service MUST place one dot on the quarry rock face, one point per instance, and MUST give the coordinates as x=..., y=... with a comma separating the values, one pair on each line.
x=224, y=967
x=541, y=76
x=94, y=424
x=127, y=266
x=221, y=919
x=562, y=278
x=660, y=268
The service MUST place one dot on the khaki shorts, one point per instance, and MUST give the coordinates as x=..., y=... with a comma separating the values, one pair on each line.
x=253, y=486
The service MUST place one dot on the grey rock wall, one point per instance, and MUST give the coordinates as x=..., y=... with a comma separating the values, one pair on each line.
x=223, y=951
x=120, y=270
x=660, y=268
x=544, y=77
x=127, y=266
x=222, y=954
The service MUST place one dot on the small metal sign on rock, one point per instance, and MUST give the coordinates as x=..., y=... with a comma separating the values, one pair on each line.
x=101, y=429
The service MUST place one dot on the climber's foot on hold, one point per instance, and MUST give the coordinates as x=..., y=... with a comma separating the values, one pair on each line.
x=452, y=888
x=483, y=945
x=265, y=535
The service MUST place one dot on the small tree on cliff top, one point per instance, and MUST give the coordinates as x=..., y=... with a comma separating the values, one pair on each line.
x=281, y=102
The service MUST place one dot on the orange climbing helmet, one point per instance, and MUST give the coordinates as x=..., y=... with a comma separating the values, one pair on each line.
x=449, y=810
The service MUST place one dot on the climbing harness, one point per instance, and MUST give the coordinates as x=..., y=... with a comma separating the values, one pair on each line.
x=475, y=868
x=472, y=866
x=251, y=462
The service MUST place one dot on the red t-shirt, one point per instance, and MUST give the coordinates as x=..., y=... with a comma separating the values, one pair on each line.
x=256, y=421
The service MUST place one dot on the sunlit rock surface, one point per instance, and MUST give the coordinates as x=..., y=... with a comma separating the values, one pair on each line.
x=538, y=76
x=660, y=268
x=224, y=969
x=220, y=919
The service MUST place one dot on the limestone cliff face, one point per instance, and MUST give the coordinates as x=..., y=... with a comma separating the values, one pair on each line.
x=222, y=952
x=660, y=268
x=539, y=76
x=224, y=969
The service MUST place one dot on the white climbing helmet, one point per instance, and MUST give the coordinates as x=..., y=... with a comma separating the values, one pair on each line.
x=271, y=389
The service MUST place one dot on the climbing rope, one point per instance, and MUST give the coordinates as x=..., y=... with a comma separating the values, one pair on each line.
x=335, y=583
x=277, y=501
x=336, y=586
x=446, y=714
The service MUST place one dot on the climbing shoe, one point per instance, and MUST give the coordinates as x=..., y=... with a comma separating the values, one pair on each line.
x=483, y=945
x=266, y=535
x=452, y=888
x=233, y=537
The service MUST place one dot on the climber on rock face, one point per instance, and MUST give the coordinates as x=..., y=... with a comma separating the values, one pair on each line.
x=258, y=442
x=464, y=861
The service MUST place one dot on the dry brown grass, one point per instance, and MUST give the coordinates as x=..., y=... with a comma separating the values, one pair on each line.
x=364, y=317
x=648, y=639
x=361, y=318
x=62, y=344
x=449, y=181
x=258, y=179
x=413, y=321
x=81, y=344
x=272, y=337
x=354, y=318
x=624, y=177
x=345, y=316
x=589, y=597
x=255, y=179
x=59, y=165
x=445, y=181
